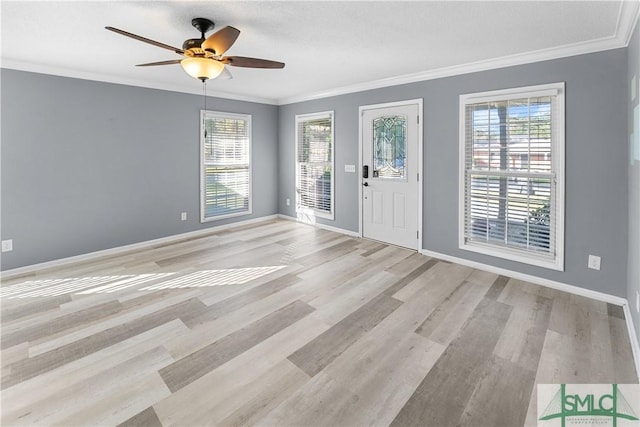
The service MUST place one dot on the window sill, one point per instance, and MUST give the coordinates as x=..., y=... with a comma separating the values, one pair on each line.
x=219, y=217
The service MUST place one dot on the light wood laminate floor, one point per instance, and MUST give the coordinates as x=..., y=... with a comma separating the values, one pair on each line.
x=280, y=323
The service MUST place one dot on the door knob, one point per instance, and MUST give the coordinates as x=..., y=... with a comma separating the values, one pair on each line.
x=366, y=184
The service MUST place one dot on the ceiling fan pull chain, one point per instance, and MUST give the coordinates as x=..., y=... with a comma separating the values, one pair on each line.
x=204, y=95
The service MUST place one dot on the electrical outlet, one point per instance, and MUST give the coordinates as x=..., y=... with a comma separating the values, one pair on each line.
x=288, y=201
x=183, y=216
x=594, y=262
x=7, y=245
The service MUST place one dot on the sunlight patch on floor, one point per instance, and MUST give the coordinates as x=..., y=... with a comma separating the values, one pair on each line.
x=128, y=282
x=109, y=284
x=231, y=276
x=54, y=287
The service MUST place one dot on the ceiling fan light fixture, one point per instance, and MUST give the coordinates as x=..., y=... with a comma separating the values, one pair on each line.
x=202, y=68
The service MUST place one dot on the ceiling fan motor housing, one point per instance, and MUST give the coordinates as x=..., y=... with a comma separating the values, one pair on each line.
x=192, y=43
x=203, y=25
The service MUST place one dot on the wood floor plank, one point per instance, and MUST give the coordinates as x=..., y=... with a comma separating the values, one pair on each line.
x=524, y=334
x=341, y=300
x=373, y=250
x=615, y=311
x=190, y=254
x=338, y=269
x=315, y=236
x=10, y=313
x=219, y=393
x=242, y=299
x=412, y=313
x=389, y=256
x=190, y=368
x=442, y=311
x=121, y=404
x=567, y=348
x=624, y=372
x=37, y=331
x=302, y=408
x=33, y=366
x=316, y=355
x=481, y=277
x=454, y=320
x=133, y=309
x=266, y=393
x=441, y=273
x=219, y=293
x=408, y=264
x=331, y=252
x=146, y=418
x=444, y=393
x=53, y=383
x=411, y=276
x=14, y=354
x=501, y=396
x=92, y=392
x=383, y=370
x=204, y=334
x=497, y=287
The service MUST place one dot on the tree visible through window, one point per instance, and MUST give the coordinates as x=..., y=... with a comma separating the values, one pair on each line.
x=226, y=172
x=314, y=164
x=513, y=150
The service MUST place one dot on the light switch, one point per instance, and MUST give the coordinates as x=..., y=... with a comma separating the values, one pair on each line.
x=350, y=168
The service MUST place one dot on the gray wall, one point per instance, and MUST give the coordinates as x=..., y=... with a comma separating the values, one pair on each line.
x=88, y=166
x=596, y=184
x=633, y=265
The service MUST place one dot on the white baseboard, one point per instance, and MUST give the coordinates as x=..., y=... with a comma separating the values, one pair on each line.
x=127, y=248
x=323, y=226
x=633, y=337
x=600, y=296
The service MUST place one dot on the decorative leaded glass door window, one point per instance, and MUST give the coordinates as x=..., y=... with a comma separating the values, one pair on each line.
x=389, y=147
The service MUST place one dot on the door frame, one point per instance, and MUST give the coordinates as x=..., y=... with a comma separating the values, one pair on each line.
x=361, y=110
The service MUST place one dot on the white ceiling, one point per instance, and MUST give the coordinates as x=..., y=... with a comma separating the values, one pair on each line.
x=329, y=47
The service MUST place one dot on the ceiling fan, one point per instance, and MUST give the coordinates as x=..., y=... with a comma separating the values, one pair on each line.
x=203, y=57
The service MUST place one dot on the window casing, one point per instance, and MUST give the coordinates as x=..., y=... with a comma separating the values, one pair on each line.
x=225, y=153
x=512, y=174
x=315, y=165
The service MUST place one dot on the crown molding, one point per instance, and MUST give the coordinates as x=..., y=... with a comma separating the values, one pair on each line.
x=105, y=78
x=628, y=16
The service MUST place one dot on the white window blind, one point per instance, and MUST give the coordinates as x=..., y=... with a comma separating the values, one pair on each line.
x=512, y=174
x=314, y=164
x=226, y=165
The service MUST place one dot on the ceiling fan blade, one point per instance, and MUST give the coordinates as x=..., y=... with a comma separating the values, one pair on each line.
x=146, y=40
x=220, y=41
x=243, y=61
x=169, y=62
x=225, y=75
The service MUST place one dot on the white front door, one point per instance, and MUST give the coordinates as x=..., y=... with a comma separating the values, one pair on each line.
x=390, y=175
